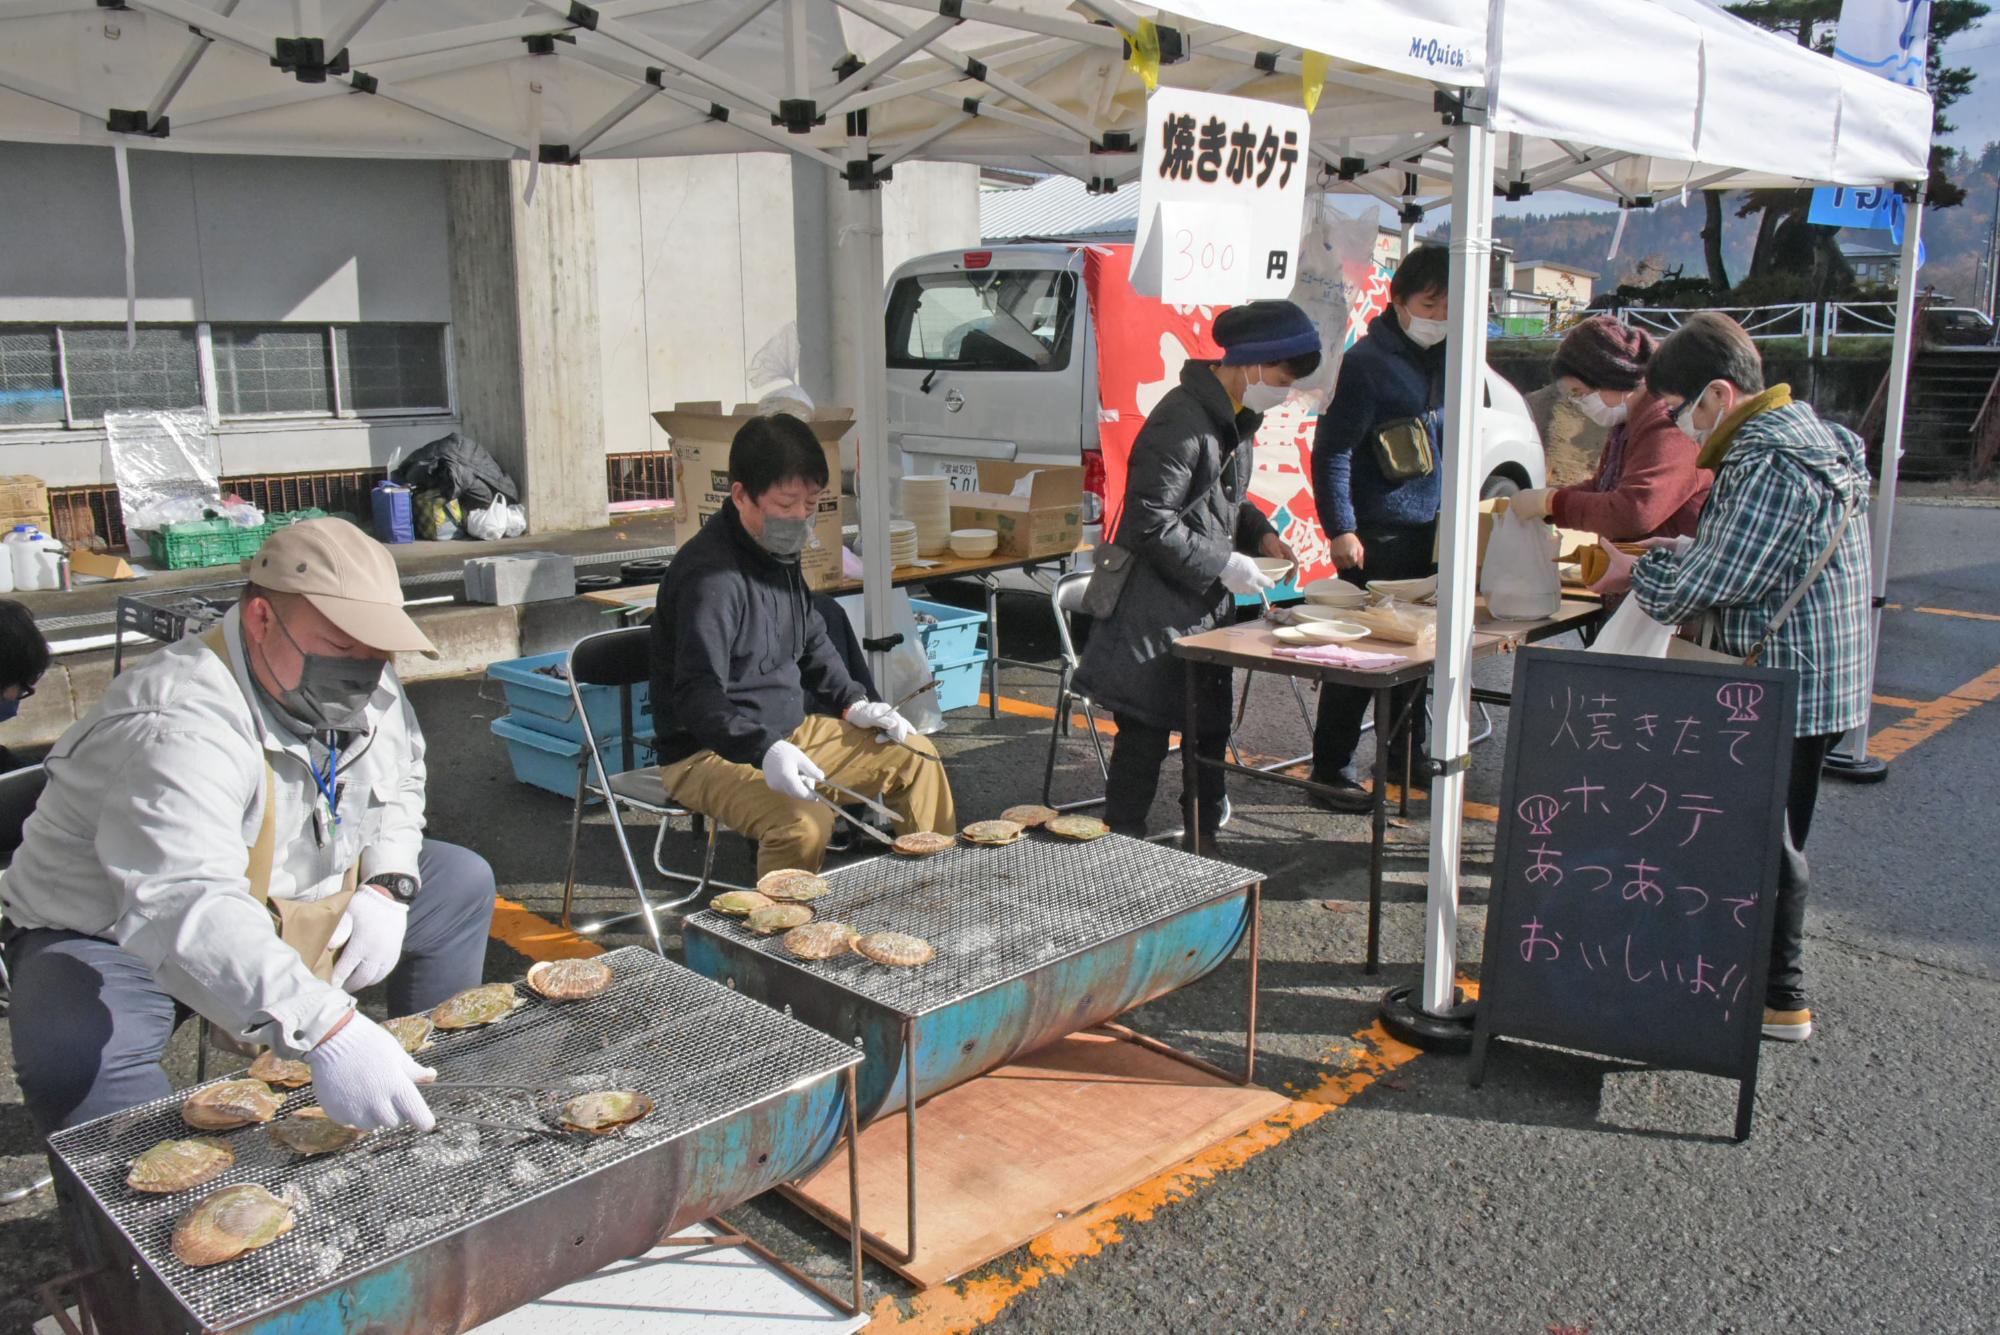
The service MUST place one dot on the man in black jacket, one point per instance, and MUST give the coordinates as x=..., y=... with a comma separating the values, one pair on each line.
x=738, y=648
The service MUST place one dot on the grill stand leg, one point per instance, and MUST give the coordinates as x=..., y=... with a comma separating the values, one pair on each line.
x=910, y=1143
x=53, y=1295
x=1256, y=949
x=1378, y=824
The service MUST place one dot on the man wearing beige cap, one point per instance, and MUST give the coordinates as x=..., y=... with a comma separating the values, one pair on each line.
x=236, y=831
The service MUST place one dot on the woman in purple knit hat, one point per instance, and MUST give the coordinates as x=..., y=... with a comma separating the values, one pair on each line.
x=1647, y=483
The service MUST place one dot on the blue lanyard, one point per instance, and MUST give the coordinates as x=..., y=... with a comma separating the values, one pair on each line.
x=328, y=789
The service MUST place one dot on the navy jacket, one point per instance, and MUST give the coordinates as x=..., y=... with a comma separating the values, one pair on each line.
x=1383, y=377
x=737, y=645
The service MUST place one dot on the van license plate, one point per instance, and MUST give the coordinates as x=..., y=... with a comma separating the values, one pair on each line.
x=964, y=475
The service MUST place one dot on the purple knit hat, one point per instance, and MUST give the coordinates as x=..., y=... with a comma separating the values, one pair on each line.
x=1605, y=354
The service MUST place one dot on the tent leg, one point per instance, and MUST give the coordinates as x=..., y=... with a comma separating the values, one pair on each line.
x=860, y=243
x=1850, y=759
x=1434, y=1018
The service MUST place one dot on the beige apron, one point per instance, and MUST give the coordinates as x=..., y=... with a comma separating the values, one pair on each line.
x=304, y=925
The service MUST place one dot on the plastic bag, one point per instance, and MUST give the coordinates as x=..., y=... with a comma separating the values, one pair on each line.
x=437, y=519
x=774, y=373
x=908, y=668
x=167, y=466
x=1520, y=579
x=517, y=521
x=1631, y=630
x=490, y=523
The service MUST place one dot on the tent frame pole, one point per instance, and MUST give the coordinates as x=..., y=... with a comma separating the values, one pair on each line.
x=1434, y=1017
x=874, y=475
x=1850, y=759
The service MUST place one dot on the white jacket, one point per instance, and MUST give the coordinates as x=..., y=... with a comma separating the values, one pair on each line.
x=143, y=835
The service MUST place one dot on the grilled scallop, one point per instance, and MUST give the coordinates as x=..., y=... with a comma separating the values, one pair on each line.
x=1032, y=815
x=775, y=918
x=791, y=886
x=604, y=1111
x=412, y=1031
x=310, y=1131
x=1081, y=829
x=230, y=1104
x=570, y=980
x=820, y=940
x=896, y=948
x=477, y=1006
x=740, y=903
x=228, y=1223
x=275, y=1070
x=176, y=1165
x=922, y=843
x=991, y=832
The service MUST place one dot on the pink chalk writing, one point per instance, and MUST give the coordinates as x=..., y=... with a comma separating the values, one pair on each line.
x=1741, y=698
x=1538, y=811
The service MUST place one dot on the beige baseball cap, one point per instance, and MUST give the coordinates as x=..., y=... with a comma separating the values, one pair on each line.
x=347, y=576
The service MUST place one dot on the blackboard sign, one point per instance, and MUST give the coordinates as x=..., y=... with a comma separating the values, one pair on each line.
x=1636, y=863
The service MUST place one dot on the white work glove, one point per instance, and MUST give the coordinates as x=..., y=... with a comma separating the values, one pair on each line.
x=888, y=724
x=369, y=937
x=791, y=771
x=1531, y=504
x=1678, y=546
x=363, y=1078
x=1241, y=576
x=1618, y=577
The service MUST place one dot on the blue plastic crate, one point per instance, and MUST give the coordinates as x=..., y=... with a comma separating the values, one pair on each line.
x=954, y=638
x=543, y=703
x=959, y=683
x=544, y=760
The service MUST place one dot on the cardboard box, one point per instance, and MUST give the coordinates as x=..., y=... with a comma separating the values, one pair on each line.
x=23, y=500
x=700, y=435
x=1036, y=509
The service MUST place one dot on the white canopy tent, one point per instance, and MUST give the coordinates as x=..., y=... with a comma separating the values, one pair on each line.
x=1416, y=98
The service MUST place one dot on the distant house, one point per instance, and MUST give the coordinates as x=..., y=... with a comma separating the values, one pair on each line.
x=1873, y=260
x=1565, y=285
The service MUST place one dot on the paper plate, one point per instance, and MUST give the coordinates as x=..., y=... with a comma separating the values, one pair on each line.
x=1406, y=590
x=1334, y=593
x=1315, y=612
x=1276, y=568
x=1321, y=632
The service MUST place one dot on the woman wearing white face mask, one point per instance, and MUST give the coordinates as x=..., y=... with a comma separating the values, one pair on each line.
x=1183, y=548
x=1647, y=483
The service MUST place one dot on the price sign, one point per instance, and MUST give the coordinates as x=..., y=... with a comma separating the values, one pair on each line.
x=1221, y=198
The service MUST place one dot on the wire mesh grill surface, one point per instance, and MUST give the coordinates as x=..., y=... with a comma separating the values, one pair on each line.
x=700, y=1051
x=995, y=914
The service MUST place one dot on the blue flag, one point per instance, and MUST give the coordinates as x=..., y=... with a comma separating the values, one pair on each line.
x=1890, y=38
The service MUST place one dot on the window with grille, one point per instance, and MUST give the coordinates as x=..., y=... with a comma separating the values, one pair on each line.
x=71, y=375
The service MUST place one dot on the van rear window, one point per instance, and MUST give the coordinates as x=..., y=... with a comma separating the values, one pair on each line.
x=983, y=320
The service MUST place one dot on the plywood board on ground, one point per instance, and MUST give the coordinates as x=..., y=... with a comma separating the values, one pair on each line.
x=1004, y=1158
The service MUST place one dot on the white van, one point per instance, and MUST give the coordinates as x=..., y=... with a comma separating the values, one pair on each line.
x=993, y=355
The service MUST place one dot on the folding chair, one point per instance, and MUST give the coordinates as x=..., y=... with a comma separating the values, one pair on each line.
x=623, y=658
x=1066, y=597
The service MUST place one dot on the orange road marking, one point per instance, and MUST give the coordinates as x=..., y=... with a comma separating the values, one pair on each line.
x=1932, y=718
x=1954, y=612
x=529, y=933
x=1898, y=702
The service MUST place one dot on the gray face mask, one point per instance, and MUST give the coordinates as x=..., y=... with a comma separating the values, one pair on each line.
x=332, y=693
x=783, y=537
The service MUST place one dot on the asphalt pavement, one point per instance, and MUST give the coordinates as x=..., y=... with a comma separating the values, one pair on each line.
x=1569, y=1193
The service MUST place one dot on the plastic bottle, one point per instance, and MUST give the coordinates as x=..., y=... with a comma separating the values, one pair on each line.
x=32, y=555
x=19, y=570
x=6, y=566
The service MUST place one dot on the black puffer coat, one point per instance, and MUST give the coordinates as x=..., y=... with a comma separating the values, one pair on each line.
x=1175, y=587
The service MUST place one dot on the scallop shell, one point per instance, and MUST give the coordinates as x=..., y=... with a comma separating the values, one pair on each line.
x=228, y=1223
x=991, y=832
x=230, y=1104
x=896, y=948
x=791, y=886
x=604, y=1110
x=922, y=843
x=310, y=1131
x=176, y=1165
x=275, y=1070
x=820, y=940
x=476, y=1006
x=1080, y=828
x=775, y=918
x=570, y=980
x=412, y=1031
x=1032, y=815
x=740, y=903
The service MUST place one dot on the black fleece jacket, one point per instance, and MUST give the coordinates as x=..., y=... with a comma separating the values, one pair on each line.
x=736, y=646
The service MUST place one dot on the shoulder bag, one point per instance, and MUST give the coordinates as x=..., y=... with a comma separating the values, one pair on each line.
x=1696, y=644
x=1111, y=566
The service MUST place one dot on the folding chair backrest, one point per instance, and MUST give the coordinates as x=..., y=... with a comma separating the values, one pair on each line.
x=613, y=657
x=1066, y=597
x=19, y=791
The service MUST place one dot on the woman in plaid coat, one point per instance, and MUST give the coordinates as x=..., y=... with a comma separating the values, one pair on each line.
x=1783, y=481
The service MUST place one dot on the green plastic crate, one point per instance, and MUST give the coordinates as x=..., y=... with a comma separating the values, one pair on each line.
x=216, y=542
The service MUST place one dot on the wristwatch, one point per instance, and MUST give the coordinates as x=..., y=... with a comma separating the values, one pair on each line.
x=402, y=886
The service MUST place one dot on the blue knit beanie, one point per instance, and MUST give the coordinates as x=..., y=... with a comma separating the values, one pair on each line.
x=1263, y=333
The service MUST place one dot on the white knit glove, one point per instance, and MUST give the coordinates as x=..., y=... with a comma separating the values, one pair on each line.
x=888, y=724
x=362, y=1077
x=369, y=937
x=791, y=771
x=1678, y=546
x=1241, y=576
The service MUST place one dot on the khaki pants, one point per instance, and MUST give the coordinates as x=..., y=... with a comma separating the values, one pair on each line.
x=791, y=833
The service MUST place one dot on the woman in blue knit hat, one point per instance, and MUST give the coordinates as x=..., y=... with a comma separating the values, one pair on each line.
x=1183, y=548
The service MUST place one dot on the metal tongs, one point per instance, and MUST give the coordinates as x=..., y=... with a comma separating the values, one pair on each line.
x=858, y=824
x=478, y=1087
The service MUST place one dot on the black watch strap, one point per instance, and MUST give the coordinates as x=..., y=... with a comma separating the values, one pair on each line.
x=399, y=884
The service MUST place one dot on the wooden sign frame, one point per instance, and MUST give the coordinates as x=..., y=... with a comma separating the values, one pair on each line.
x=1494, y=1020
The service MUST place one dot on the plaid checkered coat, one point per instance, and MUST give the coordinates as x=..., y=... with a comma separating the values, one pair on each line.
x=1779, y=493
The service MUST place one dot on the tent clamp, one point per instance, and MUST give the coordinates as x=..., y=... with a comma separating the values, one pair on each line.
x=1636, y=202
x=1457, y=108
x=798, y=115
x=1351, y=167
x=864, y=176
x=1411, y=213
x=558, y=155
x=887, y=642
x=1173, y=45
x=363, y=83
x=1878, y=602
x=975, y=70
x=583, y=16
x=1100, y=185
x=126, y=121
x=304, y=58
x=1266, y=62
x=970, y=106
x=1437, y=768
x=544, y=43
x=1115, y=141
x=1519, y=189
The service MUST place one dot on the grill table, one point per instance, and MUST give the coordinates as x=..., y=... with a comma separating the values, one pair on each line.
x=1034, y=941
x=440, y=1233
